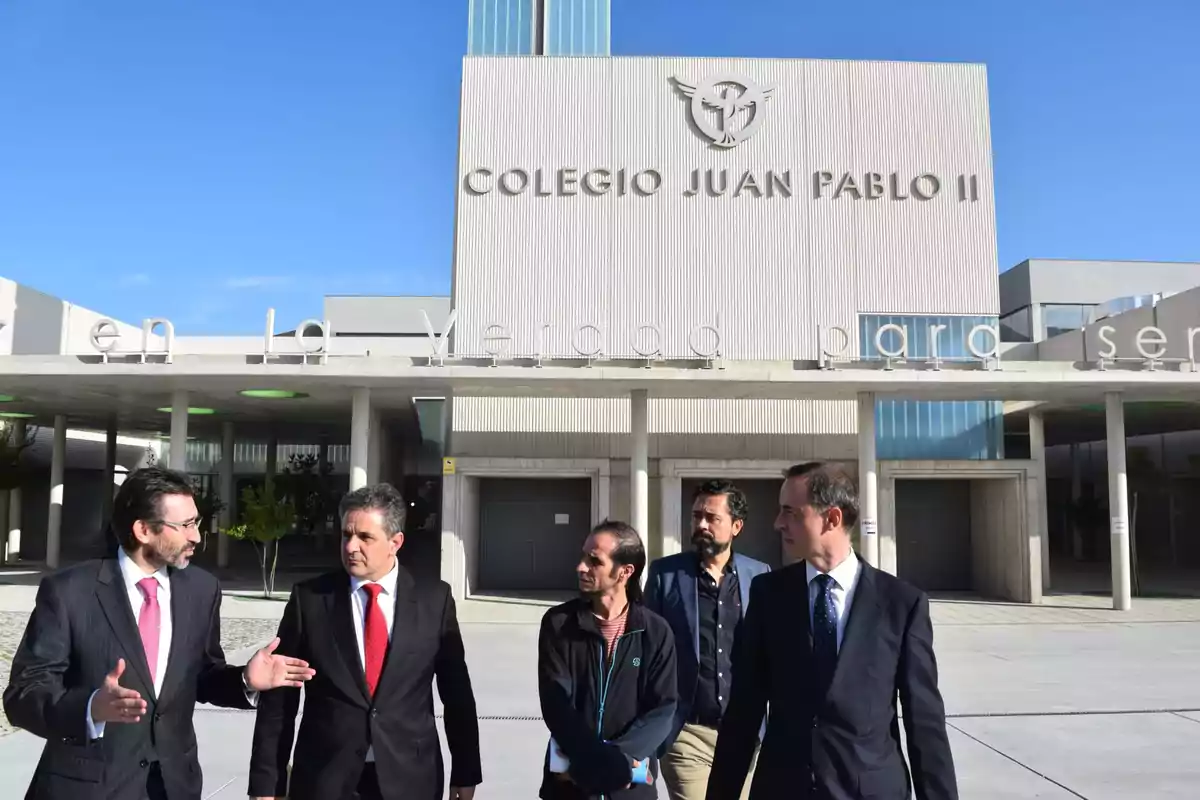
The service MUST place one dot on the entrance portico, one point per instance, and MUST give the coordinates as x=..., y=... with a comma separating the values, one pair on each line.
x=66, y=389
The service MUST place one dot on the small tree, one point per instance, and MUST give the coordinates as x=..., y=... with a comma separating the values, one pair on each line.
x=11, y=448
x=306, y=482
x=209, y=504
x=265, y=520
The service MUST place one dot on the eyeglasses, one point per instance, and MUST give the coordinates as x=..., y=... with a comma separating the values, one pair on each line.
x=193, y=524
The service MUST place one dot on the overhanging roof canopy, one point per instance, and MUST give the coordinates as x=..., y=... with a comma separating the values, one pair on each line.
x=74, y=386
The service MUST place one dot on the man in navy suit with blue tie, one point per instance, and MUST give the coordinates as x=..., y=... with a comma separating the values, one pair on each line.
x=831, y=650
x=703, y=595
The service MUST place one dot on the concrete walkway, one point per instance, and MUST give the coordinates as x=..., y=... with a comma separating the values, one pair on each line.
x=1064, y=700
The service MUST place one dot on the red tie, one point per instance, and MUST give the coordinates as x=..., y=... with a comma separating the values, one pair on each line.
x=375, y=636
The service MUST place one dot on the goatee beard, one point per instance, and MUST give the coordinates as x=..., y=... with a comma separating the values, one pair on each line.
x=707, y=547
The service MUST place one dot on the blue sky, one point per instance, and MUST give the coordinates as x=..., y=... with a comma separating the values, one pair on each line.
x=204, y=159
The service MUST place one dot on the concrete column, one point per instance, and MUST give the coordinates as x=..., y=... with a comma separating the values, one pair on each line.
x=12, y=518
x=888, y=550
x=272, y=468
x=1035, y=322
x=322, y=465
x=1037, y=452
x=360, y=437
x=226, y=492
x=110, y=470
x=639, y=463
x=671, y=502
x=5, y=496
x=603, y=484
x=179, y=430
x=374, y=447
x=1118, y=503
x=460, y=534
x=58, y=459
x=1076, y=494
x=12, y=553
x=868, y=486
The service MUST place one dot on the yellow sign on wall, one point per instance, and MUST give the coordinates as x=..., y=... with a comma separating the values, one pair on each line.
x=447, y=466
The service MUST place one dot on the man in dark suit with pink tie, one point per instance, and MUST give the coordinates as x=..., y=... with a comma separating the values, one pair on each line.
x=119, y=650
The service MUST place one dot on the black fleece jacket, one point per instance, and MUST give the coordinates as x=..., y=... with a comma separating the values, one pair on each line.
x=604, y=712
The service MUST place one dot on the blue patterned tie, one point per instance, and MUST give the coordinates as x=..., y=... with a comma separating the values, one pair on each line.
x=824, y=636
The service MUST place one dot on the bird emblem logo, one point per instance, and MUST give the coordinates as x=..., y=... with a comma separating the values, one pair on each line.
x=726, y=109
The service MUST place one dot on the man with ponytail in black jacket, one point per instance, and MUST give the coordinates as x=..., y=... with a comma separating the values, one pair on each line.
x=606, y=677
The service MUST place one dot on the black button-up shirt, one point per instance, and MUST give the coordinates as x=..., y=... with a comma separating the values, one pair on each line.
x=719, y=609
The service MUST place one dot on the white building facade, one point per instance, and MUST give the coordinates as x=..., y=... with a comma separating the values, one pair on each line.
x=665, y=271
x=708, y=209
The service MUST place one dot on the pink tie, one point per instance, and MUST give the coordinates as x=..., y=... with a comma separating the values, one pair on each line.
x=148, y=622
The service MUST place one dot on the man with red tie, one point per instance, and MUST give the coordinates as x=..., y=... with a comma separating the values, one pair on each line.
x=377, y=637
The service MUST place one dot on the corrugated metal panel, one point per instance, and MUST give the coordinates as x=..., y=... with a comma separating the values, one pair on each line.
x=766, y=270
x=925, y=118
x=581, y=428
x=611, y=415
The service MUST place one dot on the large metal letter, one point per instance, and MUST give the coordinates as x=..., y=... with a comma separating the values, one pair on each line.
x=148, y=327
x=104, y=336
x=439, y=344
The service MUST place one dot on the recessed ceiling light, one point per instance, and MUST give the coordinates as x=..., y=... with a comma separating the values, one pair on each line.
x=203, y=412
x=6, y=398
x=15, y=415
x=273, y=394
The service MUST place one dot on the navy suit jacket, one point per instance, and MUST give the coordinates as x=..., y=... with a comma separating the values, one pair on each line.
x=672, y=592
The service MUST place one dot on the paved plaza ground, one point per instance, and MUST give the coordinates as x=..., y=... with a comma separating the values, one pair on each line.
x=1069, y=700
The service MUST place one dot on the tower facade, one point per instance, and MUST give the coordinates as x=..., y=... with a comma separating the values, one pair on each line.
x=539, y=27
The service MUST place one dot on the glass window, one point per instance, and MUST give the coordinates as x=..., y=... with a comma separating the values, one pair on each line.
x=923, y=429
x=500, y=27
x=1016, y=327
x=577, y=27
x=1063, y=317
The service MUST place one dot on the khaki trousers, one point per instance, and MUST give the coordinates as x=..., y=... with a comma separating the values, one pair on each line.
x=685, y=766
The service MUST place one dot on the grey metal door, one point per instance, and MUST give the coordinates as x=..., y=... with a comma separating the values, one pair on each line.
x=758, y=538
x=933, y=534
x=531, y=532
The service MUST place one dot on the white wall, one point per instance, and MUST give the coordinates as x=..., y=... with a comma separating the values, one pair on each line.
x=791, y=430
x=1174, y=316
x=768, y=270
x=1000, y=567
x=1006, y=554
x=8, y=311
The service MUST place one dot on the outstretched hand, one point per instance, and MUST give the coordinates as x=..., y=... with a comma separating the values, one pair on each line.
x=115, y=703
x=268, y=671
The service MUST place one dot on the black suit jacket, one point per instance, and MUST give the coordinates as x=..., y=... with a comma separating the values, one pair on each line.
x=341, y=720
x=81, y=624
x=847, y=744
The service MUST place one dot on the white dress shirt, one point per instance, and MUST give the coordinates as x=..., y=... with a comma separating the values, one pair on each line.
x=845, y=581
x=131, y=573
x=358, y=608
